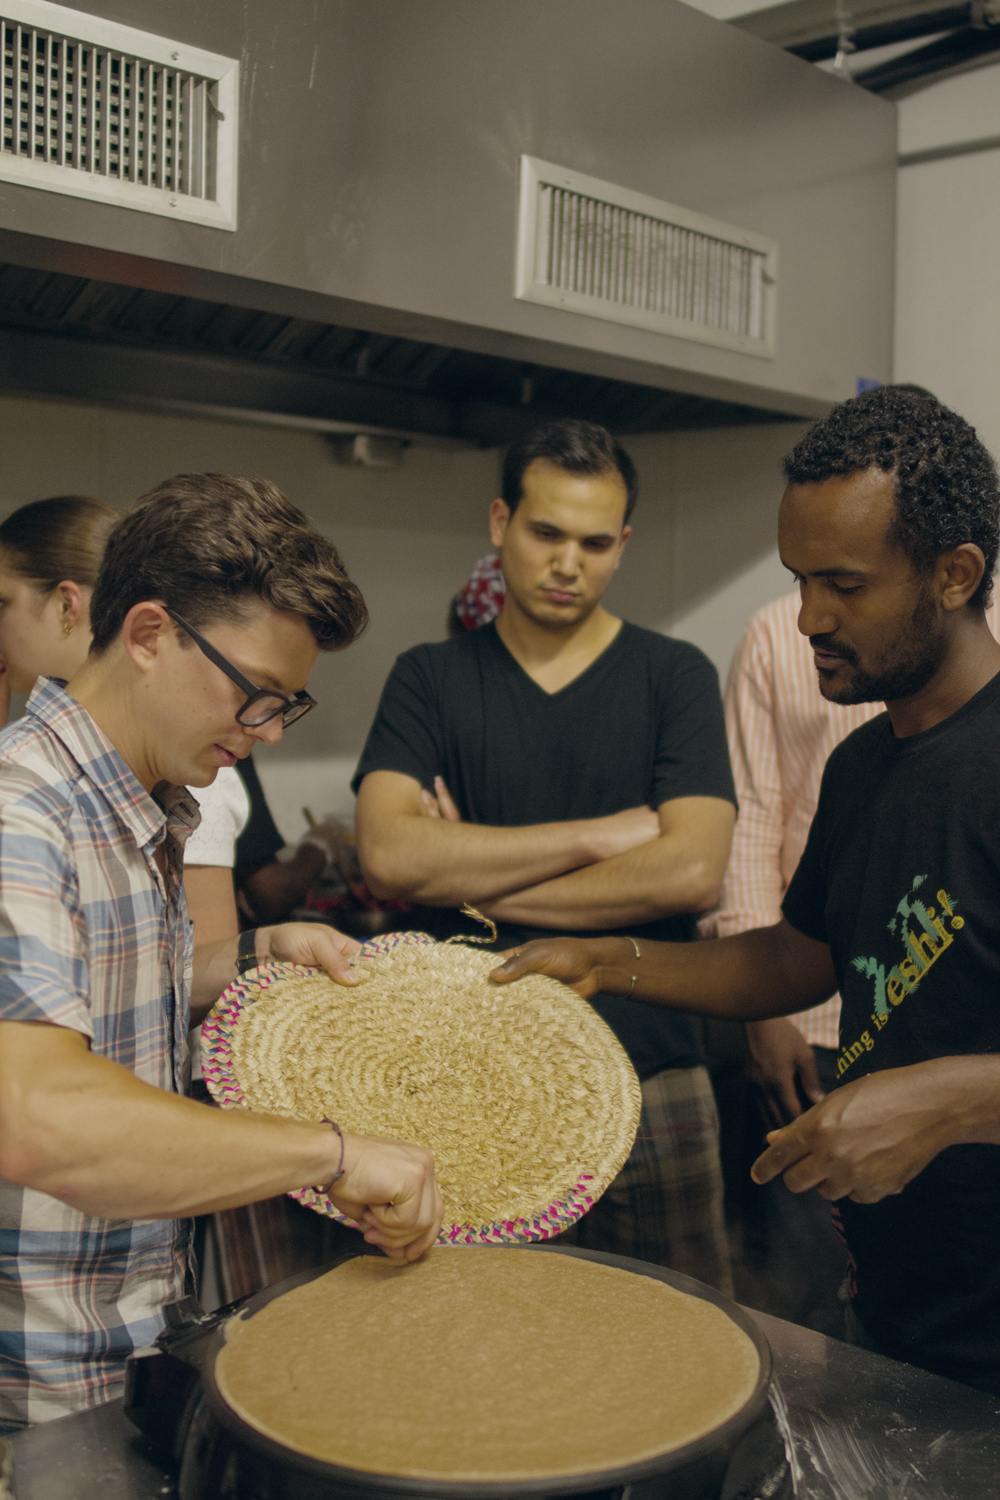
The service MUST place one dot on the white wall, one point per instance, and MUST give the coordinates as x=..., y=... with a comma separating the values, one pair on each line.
x=408, y=536
x=701, y=558
x=947, y=339
x=947, y=302
x=948, y=230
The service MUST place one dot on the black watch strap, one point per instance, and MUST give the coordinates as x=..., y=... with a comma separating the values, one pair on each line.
x=246, y=951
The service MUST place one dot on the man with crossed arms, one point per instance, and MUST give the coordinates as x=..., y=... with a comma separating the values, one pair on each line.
x=564, y=771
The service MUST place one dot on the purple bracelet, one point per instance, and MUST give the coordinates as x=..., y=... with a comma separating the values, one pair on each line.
x=340, y=1170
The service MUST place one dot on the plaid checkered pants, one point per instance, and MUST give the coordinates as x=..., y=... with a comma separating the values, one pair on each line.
x=665, y=1205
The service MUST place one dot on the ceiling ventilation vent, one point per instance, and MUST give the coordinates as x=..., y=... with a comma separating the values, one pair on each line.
x=592, y=247
x=102, y=111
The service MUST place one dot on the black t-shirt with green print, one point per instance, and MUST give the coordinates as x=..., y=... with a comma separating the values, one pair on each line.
x=901, y=877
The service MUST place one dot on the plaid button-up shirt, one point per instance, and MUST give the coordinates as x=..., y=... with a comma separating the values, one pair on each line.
x=93, y=938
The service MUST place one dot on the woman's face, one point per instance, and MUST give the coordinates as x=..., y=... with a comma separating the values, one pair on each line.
x=33, y=642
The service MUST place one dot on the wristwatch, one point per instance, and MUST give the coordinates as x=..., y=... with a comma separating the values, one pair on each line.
x=246, y=951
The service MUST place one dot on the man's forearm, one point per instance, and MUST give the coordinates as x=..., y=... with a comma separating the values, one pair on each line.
x=643, y=885
x=679, y=871
x=774, y=971
x=214, y=969
x=869, y=1138
x=310, y=943
x=970, y=1097
x=84, y=1130
x=744, y=978
x=91, y=1134
x=442, y=863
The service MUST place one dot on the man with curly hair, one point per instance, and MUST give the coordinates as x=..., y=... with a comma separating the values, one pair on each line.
x=890, y=525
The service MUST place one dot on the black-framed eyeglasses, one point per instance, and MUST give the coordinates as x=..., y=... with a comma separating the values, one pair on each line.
x=263, y=704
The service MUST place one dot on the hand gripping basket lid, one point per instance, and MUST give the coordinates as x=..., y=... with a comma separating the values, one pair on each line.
x=526, y=1098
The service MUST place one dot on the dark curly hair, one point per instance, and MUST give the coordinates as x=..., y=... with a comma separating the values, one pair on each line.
x=946, y=480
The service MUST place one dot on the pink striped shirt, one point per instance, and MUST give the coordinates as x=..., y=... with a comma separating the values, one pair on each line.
x=781, y=731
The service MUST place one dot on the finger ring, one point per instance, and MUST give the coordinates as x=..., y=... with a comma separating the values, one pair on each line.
x=516, y=953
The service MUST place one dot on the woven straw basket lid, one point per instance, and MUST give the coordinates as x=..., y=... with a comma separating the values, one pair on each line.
x=522, y=1092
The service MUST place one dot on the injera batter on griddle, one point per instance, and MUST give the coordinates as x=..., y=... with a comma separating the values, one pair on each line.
x=486, y=1364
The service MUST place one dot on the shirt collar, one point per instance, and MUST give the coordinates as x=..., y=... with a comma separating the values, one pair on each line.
x=145, y=814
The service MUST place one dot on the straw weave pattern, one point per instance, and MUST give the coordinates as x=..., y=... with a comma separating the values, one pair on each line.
x=522, y=1092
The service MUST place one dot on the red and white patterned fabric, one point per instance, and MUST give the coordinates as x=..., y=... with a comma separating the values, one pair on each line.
x=480, y=599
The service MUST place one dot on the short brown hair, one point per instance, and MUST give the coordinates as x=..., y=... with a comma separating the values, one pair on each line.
x=59, y=540
x=207, y=545
x=576, y=446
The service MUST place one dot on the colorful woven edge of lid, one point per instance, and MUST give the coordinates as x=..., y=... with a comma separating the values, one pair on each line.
x=216, y=1067
x=222, y=1020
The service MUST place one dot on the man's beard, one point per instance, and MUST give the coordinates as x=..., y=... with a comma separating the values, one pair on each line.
x=906, y=665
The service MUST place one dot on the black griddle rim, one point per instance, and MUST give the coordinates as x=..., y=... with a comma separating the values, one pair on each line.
x=723, y=1437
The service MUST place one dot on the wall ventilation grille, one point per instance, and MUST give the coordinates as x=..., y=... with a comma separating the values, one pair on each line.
x=592, y=247
x=102, y=111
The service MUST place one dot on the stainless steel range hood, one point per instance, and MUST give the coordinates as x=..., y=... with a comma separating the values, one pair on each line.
x=371, y=276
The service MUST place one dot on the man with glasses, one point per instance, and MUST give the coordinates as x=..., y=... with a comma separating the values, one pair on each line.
x=214, y=601
x=261, y=704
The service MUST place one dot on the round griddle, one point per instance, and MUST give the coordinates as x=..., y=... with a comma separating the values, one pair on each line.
x=741, y=1459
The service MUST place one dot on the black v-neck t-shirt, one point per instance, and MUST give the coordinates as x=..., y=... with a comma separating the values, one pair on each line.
x=901, y=877
x=642, y=725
